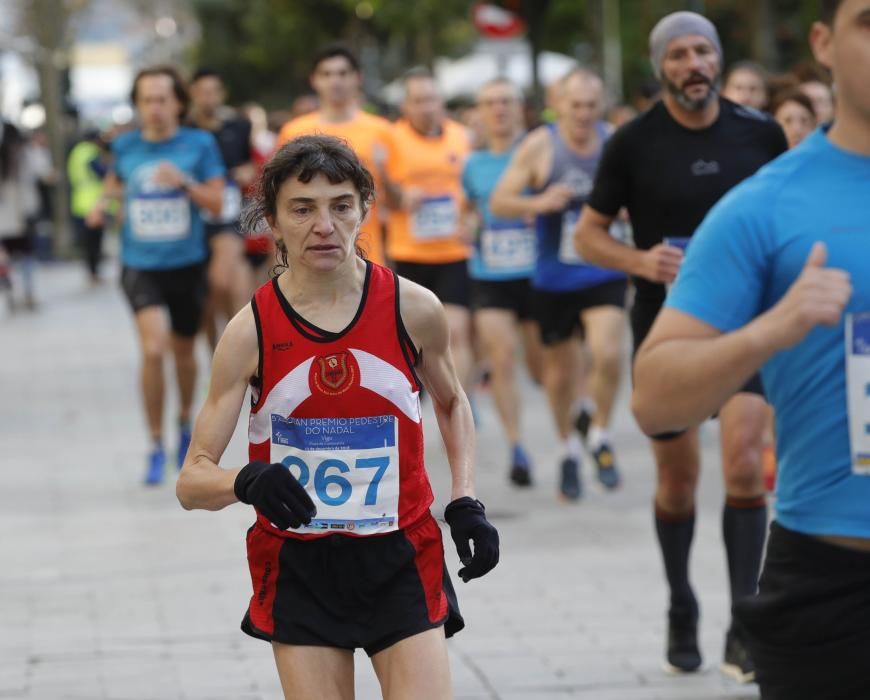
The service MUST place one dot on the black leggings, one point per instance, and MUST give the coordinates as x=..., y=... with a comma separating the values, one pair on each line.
x=90, y=240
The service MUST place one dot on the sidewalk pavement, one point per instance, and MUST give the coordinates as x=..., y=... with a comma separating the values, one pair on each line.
x=111, y=590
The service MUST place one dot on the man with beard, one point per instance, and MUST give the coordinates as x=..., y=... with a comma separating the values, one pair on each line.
x=803, y=317
x=669, y=167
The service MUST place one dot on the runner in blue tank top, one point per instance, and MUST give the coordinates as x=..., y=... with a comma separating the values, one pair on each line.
x=559, y=162
x=500, y=267
x=164, y=174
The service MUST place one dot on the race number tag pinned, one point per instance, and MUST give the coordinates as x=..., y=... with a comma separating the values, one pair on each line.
x=568, y=254
x=157, y=216
x=436, y=218
x=349, y=466
x=681, y=242
x=507, y=245
x=858, y=389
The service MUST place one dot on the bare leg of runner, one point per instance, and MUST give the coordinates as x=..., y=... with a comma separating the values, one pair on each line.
x=152, y=326
x=497, y=332
x=314, y=672
x=185, y=371
x=459, y=323
x=564, y=381
x=416, y=668
x=533, y=351
x=605, y=331
x=154, y=342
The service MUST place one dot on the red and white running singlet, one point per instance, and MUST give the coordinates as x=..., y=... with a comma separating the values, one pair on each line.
x=342, y=411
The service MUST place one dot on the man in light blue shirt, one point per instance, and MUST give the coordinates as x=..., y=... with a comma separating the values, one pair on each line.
x=164, y=174
x=502, y=261
x=778, y=278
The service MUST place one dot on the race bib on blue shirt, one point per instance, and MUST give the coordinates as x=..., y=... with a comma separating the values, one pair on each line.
x=160, y=216
x=349, y=467
x=507, y=245
x=858, y=389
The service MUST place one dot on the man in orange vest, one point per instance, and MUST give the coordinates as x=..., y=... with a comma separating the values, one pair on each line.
x=423, y=178
x=335, y=77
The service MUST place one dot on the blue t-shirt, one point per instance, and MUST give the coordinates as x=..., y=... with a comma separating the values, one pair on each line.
x=744, y=257
x=505, y=248
x=162, y=228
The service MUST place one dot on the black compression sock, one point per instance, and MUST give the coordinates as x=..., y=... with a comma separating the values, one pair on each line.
x=675, y=534
x=744, y=525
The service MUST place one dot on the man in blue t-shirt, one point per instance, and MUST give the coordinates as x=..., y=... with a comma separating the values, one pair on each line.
x=778, y=278
x=502, y=261
x=164, y=174
x=549, y=178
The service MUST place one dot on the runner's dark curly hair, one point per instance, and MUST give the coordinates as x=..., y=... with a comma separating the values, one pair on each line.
x=304, y=158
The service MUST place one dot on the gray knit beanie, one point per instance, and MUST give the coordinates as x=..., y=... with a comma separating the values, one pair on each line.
x=675, y=25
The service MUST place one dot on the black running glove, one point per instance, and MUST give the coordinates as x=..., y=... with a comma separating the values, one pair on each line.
x=276, y=493
x=467, y=521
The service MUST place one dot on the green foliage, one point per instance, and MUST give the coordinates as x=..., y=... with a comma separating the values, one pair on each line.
x=264, y=47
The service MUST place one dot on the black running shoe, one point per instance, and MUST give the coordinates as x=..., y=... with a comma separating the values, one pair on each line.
x=521, y=468
x=605, y=461
x=570, y=486
x=683, y=655
x=582, y=423
x=737, y=663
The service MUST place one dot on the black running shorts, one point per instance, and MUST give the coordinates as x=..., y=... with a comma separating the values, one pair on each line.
x=447, y=281
x=558, y=313
x=507, y=295
x=182, y=290
x=808, y=628
x=350, y=592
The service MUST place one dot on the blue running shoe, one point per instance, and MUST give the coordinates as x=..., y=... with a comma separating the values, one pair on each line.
x=605, y=461
x=156, y=466
x=521, y=470
x=183, y=444
x=570, y=486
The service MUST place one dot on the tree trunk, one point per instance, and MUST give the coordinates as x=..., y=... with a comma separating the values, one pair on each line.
x=48, y=19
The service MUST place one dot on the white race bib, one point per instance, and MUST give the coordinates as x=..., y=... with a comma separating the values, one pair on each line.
x=435, y=218
x=507, y=246
x=567, y=252
x=858, y=389
x=160, y=217
x=231, y=206
x=349, y=467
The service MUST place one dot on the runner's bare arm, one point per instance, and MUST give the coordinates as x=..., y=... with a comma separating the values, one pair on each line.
x=686, y=369
x=202, y=483
x=593, y=241
x=426, y=323
x=207, y=195
x=508, y=199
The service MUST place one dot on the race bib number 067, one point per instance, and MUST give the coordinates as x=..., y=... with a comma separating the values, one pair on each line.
x=349, y=467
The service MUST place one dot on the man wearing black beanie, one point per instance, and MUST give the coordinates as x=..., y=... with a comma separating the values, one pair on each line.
x=668, y=167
